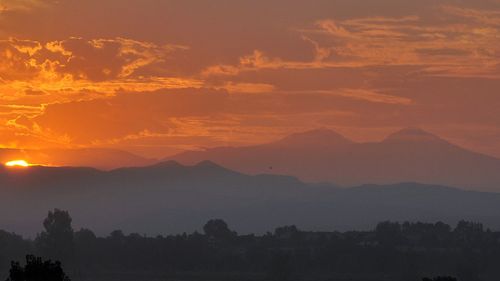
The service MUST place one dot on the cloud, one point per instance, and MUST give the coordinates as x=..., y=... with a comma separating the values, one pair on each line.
x=444, y=48
x=196, y=113
x=372, y=96
x=16, y=61
x=128, y=113
x=105, y=59
x=248, y=88
x=23, y=5
x=478, y=16
x=92, y=60
x=74, y=66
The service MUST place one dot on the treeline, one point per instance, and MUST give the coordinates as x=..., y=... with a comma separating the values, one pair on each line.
x=392, y=251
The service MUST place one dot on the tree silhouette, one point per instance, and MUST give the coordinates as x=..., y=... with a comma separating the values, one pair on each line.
x=286, y=231
x=440, y=278
x=37, y=270
x=217, y=229
x=280, y=267
x=57, y=240
x=469, y=232
x=398, y=251
x=389, y=233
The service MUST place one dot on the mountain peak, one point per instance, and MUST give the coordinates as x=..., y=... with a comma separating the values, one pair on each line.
x=208, y=164
x=318, y=137
x=167, y=164
x=413, y=134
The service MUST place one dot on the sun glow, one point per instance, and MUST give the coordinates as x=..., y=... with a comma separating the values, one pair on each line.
x=17, y=163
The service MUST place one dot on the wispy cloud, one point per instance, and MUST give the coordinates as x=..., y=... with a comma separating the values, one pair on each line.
x=74, y=65
x=444, y=48
x=372, y=96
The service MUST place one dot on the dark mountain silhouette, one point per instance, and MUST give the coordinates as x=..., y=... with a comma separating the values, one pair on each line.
x=323, y=138
x=324, y=156
x=413, y=135
x=172, y=198
x=101, y=158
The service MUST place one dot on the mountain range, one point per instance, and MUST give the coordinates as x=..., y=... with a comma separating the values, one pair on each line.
x=410, y=155
x=99, y=158
x=172, y=198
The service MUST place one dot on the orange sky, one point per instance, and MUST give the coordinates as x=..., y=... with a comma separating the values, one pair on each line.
x=156, y=76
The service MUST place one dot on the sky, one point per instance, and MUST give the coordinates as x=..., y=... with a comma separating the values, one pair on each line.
x=159, y=76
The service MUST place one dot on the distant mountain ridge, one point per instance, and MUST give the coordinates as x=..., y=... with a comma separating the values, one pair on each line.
x=101, y=158
x=172, y=198
x=322, y=155
x=319, y=137
x=409, y=155
x=413, y=134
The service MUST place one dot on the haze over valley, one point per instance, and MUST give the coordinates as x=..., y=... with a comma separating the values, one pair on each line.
x=171, y=198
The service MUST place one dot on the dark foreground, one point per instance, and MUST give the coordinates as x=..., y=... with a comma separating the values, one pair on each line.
x=392, y=251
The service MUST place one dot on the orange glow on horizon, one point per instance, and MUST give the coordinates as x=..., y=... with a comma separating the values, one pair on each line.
x=17, y=163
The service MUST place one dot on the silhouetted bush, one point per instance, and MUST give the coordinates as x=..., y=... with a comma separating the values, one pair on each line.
x=280, y=267
x=218, y=229
x=447, y=278
x=37, y=270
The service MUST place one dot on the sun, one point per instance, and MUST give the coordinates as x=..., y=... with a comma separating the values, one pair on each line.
x=17, y=163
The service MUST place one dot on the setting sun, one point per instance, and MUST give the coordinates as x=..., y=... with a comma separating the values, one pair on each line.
x=17, y=163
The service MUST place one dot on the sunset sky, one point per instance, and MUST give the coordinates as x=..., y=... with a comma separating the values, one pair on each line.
x=157, y=76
